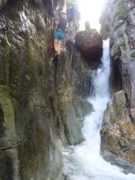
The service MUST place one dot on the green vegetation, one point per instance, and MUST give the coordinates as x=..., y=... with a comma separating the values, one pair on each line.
x=129, y=54
x=122, y=42
x=121, y=11
x=132, y=53
x=4, y=74
x=71, y=1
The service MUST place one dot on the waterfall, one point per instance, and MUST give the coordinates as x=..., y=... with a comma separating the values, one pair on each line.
x=84, y=162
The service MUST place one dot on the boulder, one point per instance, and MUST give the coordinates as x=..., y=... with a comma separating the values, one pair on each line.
x=89, y=42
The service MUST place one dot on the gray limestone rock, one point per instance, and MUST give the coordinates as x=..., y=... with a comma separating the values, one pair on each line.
x=42, y=100
x=118, y=129
x=118, y=132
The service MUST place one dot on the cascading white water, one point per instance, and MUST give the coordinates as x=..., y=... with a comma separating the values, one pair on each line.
x=84, y=162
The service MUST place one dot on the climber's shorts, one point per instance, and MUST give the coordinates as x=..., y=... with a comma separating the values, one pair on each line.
x=59, y=34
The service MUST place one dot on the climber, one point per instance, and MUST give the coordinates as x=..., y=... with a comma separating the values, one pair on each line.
x=87, y=26
x=73, y=17
x=71, y=11
x=59, y=33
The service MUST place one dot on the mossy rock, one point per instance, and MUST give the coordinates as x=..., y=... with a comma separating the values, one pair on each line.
x=121, y=11
x=4, y=63
x=9, y=137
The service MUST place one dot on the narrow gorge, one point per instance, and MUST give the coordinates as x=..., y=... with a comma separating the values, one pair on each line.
x=71, y=116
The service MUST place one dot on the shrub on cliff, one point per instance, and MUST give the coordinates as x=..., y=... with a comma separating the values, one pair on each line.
x=120, y=11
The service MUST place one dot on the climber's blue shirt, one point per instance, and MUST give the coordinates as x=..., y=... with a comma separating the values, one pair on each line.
x=59, y=34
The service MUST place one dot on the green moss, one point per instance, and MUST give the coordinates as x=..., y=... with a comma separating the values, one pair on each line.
x=132, y=53
x=70, y=1
x=121, y=11
x=129, y=54
x=121, y=42
x=14, y=69
x=9, y=137
x=31, y=57
x=22, y=70
x=4, y=70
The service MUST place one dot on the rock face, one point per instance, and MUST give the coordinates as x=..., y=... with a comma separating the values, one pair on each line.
x=118, y=131
x=89, y=43
x=42, y=100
